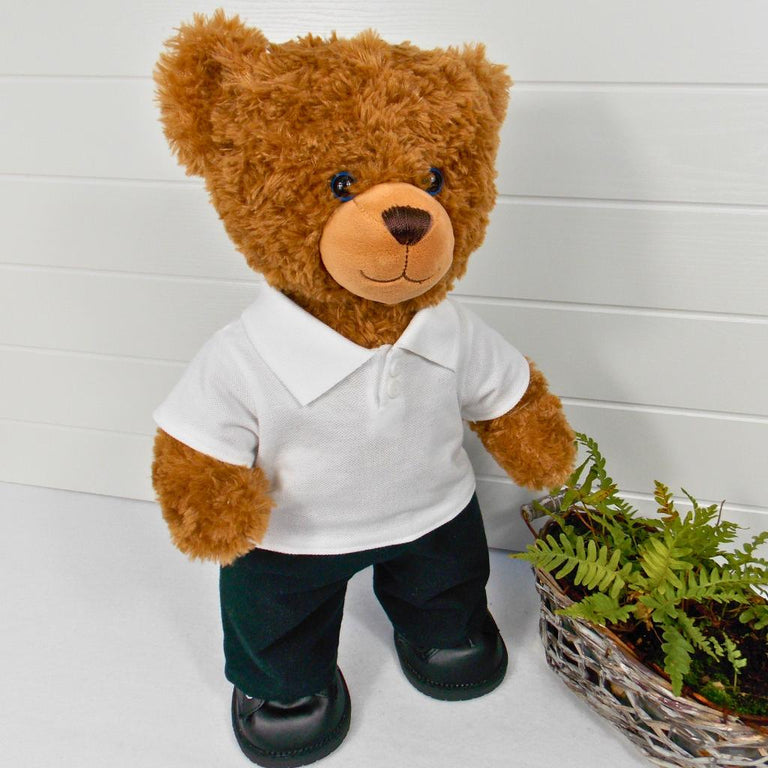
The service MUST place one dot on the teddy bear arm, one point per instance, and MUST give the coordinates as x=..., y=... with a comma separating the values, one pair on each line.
x=214, y=510
x=533, y=441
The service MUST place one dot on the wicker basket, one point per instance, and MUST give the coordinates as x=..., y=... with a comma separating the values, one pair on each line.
x=670, y=730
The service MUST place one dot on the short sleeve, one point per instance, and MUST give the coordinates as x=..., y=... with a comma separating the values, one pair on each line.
x=492, y=375
x=209, y=408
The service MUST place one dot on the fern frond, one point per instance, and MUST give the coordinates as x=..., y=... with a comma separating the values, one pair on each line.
x=573, y=480
x=599, y=570
x=705, y=539
x=697, y=638
x=756, y=616
x=597, y=469
x=544, y=553
x=594, y=458
x=663, y=497
x=660, y=607
x=719, y=586
x=734, y=655
x=746, y=555
x=599, y=609
x=705, y=514
x=677, y=657
x=661, y=559
x=596, y=568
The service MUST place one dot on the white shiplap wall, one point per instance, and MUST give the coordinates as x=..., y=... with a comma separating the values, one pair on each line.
x=628, y=253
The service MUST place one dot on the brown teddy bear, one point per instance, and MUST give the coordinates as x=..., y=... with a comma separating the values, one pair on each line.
x=320, y=433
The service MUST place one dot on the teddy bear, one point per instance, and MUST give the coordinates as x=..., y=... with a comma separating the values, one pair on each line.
x=320, y=432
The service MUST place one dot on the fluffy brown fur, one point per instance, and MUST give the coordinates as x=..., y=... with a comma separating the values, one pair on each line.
x=533, y=442
x=213, y=510
x=267, y=126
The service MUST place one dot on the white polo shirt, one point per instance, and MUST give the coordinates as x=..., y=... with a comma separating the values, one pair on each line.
x=362, y=447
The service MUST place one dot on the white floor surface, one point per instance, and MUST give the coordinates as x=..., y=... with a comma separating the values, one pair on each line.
x=110, y=657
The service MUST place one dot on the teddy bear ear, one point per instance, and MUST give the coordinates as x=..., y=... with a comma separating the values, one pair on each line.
x=189, y=76
x=492, y=78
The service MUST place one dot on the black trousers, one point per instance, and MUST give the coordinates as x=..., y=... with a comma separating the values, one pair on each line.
x=282, y=613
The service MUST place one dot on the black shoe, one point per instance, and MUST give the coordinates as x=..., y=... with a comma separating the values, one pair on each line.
x=283, y=735
x=466, y=671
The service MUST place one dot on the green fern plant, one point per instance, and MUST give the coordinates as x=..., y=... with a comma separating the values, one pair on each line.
x=673, y=575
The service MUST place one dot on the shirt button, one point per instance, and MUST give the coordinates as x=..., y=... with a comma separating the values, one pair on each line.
x=393, y=388
x=394, y=366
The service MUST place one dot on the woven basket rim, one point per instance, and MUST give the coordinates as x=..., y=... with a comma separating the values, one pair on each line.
x=757, y=722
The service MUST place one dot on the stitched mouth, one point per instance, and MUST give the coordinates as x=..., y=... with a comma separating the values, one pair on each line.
x=401, y=276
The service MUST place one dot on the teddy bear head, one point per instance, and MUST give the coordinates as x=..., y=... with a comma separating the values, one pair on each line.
x=346, y=171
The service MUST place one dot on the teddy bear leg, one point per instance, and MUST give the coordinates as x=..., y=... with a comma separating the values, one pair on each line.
x=434, y=594
x=290, y=704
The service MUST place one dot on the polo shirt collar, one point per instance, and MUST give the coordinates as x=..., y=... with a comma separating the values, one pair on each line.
x=310, y=358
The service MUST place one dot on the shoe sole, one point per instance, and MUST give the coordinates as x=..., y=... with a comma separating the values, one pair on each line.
x=455, y=691
x=296, y=757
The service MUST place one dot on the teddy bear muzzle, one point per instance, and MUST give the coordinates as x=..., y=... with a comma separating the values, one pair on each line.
x=389, y=244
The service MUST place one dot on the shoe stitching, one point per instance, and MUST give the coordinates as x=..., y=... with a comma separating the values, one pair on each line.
x=436, y=684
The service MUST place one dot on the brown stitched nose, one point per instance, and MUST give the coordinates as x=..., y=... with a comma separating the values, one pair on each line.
x=407, y=225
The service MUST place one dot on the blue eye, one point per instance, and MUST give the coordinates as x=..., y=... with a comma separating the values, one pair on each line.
x=340, y=185
x=433, y=181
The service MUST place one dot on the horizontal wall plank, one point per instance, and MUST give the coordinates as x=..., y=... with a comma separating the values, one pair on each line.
x=664, y=257
x=94, y=461
x=690, y=40
x=668, y=257
x=593, y=354
x=85, y=391
x=83, y=128
x=135, y=227
x=676, y=361
x=688, y=144
x=711, y=458
x=128, y=315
